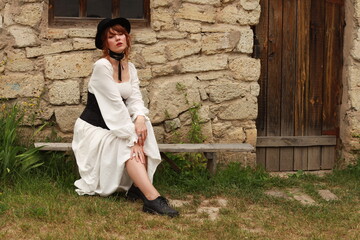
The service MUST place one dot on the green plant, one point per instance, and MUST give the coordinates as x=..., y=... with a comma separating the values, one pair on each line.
x=195, y=133
x=15, y=160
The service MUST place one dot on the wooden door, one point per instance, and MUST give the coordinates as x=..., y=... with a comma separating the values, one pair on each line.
x=300, y=47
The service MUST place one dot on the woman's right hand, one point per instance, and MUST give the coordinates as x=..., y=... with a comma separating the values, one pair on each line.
x=137, y=153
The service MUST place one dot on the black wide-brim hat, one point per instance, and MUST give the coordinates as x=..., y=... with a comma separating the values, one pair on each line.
x=108, y=22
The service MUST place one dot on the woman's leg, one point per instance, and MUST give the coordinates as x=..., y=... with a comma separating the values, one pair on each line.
x=137, y=172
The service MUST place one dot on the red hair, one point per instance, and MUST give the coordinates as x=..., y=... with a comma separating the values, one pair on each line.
x=115, y=29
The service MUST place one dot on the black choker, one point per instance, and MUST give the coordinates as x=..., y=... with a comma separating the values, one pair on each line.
x=117, y=57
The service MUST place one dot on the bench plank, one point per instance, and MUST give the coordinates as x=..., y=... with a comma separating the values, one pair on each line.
x=209, y=150
x=176, y=148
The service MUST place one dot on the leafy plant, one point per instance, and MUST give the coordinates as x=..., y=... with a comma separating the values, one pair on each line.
x=195, y=134
x=15, y=160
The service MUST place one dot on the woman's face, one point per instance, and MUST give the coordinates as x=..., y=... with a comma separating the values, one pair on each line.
x=116, y=41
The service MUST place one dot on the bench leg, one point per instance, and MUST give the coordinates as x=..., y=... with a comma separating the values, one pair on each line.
x=211, y=163
x=171, y=162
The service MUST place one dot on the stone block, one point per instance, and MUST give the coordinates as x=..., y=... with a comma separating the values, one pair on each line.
x=203, y=114
x=254, y=89
x=250, y=4
x=162, y=19
x=30, y=1
x=17, y=61
x=56, y=47
x=8, y=15
x=137, y=58
x=246, y=42
x=357, y=12
x=159, y=133
x=2, y=4
x=144, y=75
x=56, y=33
x=229, y=14
x=220, y=128
x=355, y=51
x=64, y=92
x=171, y=125
x=66, y=117
x=189, y=26
x=202, y=13
x=30, y=14
x=241, y=109
x=245, y=68
x=181, y=48
x=71, y=65
x=221, y=91
x=165, y=69
x=171, y=35
x=203, y=95
x=154, y=54
x=82, y=32
x=144, y=36
x=84, y=90
x=251, y=136
x=249, y=17
x=218, y=75
x=235, y=134
x=220, y=27
x=195, y=37
x=219, y=42
x=213, y=2
x=1, y=21
x=161, y=3
x=355, y=98
x=203, y=63
x=24, y=36
x=354, y=73
x=171, y=97
x=21, y=85
x=182, y=134
x=83, y=44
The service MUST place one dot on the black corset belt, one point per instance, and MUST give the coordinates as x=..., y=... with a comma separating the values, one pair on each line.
x=92, y=114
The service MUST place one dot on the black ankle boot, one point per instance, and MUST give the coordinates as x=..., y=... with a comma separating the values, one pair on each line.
x=134, y=193
x=160, y=206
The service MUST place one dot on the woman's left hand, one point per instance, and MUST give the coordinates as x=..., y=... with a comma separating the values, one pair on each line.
x=140, y=129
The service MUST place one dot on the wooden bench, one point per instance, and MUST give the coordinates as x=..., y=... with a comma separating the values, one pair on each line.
x=209, y=150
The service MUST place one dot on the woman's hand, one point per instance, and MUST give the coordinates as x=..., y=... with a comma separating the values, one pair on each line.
x=140, y=129
x=137, y=153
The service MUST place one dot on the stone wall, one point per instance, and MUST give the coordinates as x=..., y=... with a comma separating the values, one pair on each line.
x=350, y=109
x=195, y=53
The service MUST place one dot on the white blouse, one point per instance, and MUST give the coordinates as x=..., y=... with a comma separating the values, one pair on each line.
x=110, y=94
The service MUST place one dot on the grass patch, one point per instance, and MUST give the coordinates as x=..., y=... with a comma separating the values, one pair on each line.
x=44, y=205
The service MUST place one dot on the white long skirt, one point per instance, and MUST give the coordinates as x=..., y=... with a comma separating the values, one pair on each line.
x=101, y=158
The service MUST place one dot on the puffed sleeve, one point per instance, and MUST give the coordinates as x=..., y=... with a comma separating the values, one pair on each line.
x=112, y=107
x=135, y=103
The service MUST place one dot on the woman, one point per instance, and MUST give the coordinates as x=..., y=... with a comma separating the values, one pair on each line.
x=114, y=142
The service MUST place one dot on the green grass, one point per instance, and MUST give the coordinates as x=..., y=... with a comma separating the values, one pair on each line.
x=43, y=205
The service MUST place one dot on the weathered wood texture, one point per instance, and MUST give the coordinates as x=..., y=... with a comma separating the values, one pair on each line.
x=177, y=148
x=209, y=150
x=295, y=141
x=300, y=83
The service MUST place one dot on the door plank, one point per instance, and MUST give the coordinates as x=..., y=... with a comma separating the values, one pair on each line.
x=302, y=78
x=288, y=81
x=332, y=82
x=314, y=120
x=274, y=80
x=328, y=157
